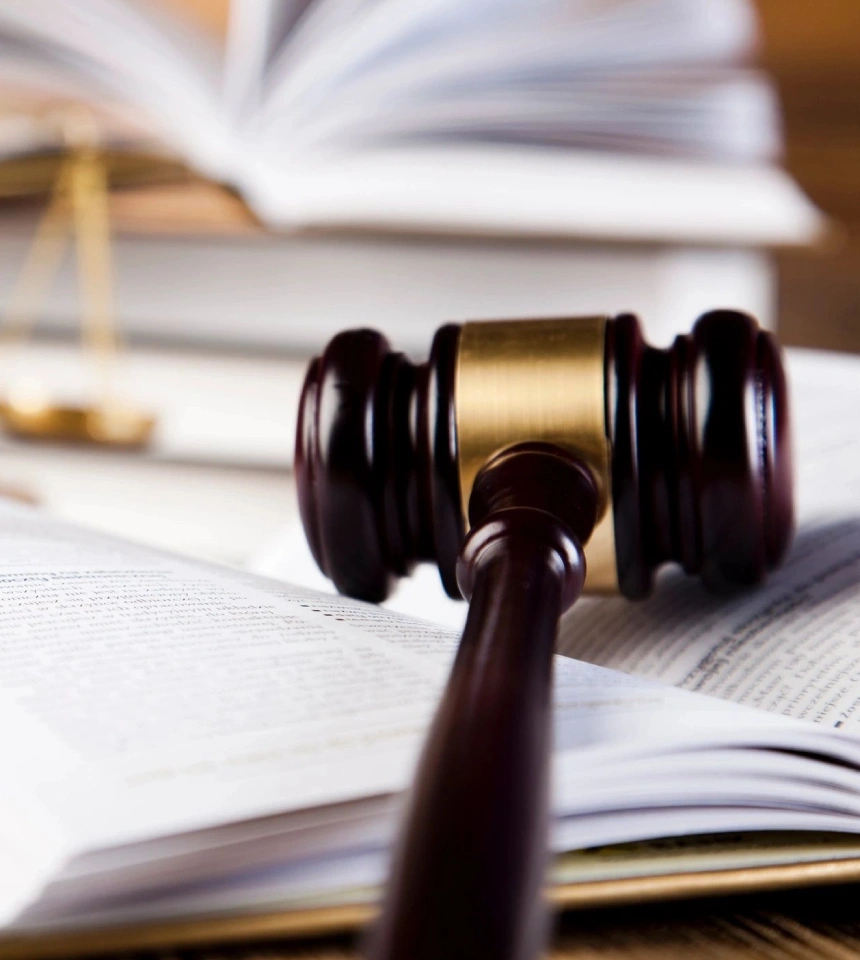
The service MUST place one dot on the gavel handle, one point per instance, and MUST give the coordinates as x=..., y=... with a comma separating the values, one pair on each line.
x=469, y=869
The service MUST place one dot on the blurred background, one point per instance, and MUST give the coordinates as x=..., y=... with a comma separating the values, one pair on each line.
x=814, y=58
x=196, y=194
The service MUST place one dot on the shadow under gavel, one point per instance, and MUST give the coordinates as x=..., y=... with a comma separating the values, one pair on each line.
x=499, y=459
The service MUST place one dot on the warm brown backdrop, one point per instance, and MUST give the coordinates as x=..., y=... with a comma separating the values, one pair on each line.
x=212, y=14
x=813, y=50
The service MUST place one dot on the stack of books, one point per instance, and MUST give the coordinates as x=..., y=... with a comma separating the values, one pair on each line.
x=396, y=165
x=417, y=163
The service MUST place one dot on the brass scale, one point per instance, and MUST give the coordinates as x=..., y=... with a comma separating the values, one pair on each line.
x=78, y=206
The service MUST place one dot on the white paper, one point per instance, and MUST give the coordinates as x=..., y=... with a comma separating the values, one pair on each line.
x=162, y=707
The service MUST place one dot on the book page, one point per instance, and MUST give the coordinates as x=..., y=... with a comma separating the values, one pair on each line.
x=256, y=31
x=549, y=73
x=179, y=728
x=185, y=695
x=792, y=647
x=378, y=114
x=157, y=701
x=147, y=668
x=455, y=188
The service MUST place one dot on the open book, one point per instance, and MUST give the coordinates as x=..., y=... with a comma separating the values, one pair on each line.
x=618, y=119
x=197, y=752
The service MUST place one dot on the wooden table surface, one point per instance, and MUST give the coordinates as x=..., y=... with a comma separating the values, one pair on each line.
x=823, y=924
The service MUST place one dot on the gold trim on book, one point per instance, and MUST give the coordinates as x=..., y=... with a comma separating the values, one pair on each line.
x=320, y=921
x=538, y=380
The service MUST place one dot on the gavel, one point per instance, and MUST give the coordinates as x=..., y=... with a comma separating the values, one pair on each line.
x=519, y=455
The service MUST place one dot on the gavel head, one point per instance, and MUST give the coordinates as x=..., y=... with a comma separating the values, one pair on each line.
x=689, y=446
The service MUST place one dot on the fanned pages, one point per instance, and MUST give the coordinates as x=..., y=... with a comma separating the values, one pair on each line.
x=317, y=103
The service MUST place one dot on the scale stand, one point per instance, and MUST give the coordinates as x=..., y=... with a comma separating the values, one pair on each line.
x=78, y=205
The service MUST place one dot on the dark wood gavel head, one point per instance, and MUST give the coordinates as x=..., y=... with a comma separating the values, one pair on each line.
x=689, y=447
